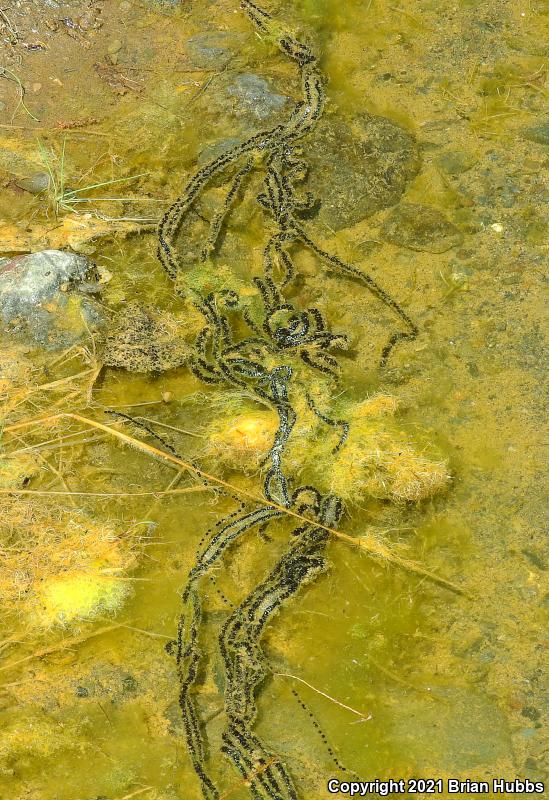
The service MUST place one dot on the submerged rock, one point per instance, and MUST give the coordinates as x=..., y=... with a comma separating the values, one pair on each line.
x=252, y=96
x=35, y=183
x=39, y=298
x=420, y=227
x=215, y=49
x=464, y=731
x=455, y=162
x=13, y=163
x=216, y=149
x=358, y=171
x=145, y=340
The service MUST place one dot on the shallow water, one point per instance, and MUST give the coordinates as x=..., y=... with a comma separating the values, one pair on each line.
x=417, y=680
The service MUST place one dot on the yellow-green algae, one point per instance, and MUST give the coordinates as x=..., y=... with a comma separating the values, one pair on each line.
x=453, y=685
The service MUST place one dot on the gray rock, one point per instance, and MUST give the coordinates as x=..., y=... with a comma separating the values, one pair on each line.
x=357, y=172
x=252, y=96
x=215, y=49
x=420, y=227
x=36, y=183
x=537, y=133
x=38, y=299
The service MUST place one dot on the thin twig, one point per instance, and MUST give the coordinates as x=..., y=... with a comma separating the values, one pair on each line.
x=12, y=30
x=170, y=427
x=363, y=717
x=259, y=771
x=137, y=792
x=159, y=493
x=52, y=385
x=56, y=446
x=377, y=552
x=147, y=633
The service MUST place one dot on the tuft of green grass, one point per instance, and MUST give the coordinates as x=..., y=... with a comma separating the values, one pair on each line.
x=65, y=200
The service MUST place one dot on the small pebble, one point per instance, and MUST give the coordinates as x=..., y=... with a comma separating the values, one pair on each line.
x=36, y=183
x=88, y=21
x=114, y=47
x=105, y=275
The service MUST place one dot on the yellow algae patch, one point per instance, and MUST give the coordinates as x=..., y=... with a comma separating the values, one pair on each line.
x=244, y=441
x=78, y=596
x=378, y=405
x=17, y=373
x=379, y=460
x=58, y=565
x=376, y=460
x=15, y=472
x=413, y=477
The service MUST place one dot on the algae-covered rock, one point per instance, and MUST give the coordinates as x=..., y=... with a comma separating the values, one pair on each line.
x=465, y=731
x=145, y=340
x=420, y=227
x=455, y=162
x=14, y=160
x=358, y=171
x=216, y=149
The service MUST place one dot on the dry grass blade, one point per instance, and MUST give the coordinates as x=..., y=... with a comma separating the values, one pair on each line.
x=136, y=793
x=159, y=493
x=11, y=76
x=375, y=551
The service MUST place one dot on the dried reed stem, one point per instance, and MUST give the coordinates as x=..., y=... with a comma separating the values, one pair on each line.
x=384, y=555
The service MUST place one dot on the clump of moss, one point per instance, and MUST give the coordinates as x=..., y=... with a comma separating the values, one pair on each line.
x=59, y=566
